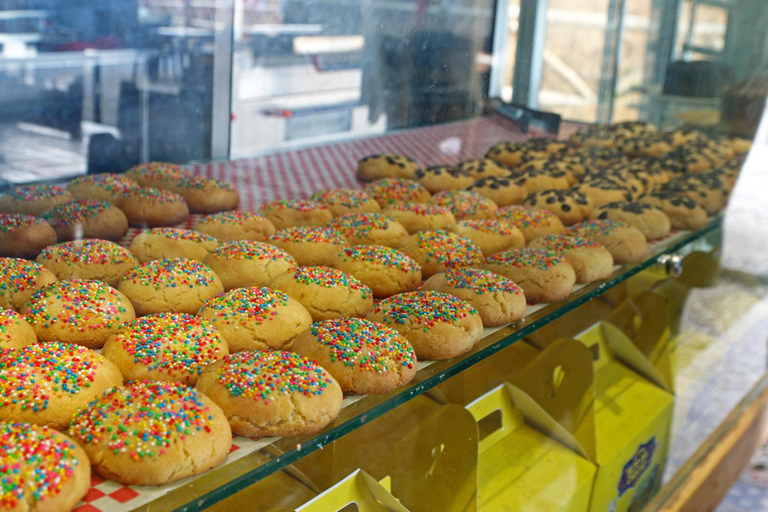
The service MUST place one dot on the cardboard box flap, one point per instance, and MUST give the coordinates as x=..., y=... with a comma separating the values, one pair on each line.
x=556, y=395
x=359, y=488
x=498, y=399
x=637, y=334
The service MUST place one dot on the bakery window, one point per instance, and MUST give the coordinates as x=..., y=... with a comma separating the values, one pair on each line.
x=381, y=255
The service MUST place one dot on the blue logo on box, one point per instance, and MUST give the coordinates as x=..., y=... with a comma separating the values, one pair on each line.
x=636, y=466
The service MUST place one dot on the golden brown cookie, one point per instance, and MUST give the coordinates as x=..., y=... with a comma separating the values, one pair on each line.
x=15, y=331
x=384, y=270
x=42, y=469
x=178, y=285
x=397, y=190
x=626, y=243
x=490, y=235
x=168, y=346
x=364, y=357
x=325, y=292
x=19, y=279
x=88, y=259
x=86, y=218
x=465, y=204
x=420, y=216
x=101, y=187
x=570, y=205
x=370, y=229
x=165, y=243
x=619, y=176
x=533, y=222
x=272, y=393
x=436, y=251
x=590, y=260
x=236, y=225
x=376, y=167
x=48, y=382
x=711, y=200
x=651, y=221
x=498, y=300
x=646, y=145
x=438, y=326
x=309, y=245
x=341, y=201
x=483, y=168
x=439, y=178
x=156, y=174
x=602, y=191
x=205, y=195
x=123, y=436
x=81, y=311
x=549, y=177
x=245, y=263
x=24, y=236
x=503, y=191
x=289, y=213
x=33, y=199
x=256, y=318
x=544, y=276
x=513, y=154
x=683, y=212
x=153, y=207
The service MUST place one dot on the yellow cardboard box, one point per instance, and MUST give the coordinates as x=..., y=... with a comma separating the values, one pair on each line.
x=360, y=489
x=523, y=469
x=623, y=429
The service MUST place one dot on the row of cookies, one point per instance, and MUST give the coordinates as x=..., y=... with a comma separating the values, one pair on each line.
x=104, y=205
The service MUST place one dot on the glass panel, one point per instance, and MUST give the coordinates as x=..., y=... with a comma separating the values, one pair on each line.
x=238, y=475
x=573, y=57
x=103, y=85
x=307, y=73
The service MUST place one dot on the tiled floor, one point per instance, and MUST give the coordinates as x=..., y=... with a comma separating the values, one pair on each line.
x=750, y=494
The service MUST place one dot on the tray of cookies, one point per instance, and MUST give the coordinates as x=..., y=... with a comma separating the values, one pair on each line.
x=257, y=299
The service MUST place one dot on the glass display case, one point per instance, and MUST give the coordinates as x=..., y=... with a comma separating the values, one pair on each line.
x=633, y=393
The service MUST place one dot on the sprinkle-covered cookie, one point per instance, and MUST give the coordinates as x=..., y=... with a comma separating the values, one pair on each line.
x=19, y=279
x=79, y=311
x=47, y=383
x=42, y=469
x=236, y=225
x=490, y=235
x=168, y=346
x=384, y=270
x=498, y=300
x=153, y=207
x=438, y=326
x=101, y=187
x=256, y=318
x=346, y=200
x=205, y=195
x=420, y=216
x=370, y=228
x=309, y=245
x=436, y=251
x=33, y=199
x=178, y=285
x=15, y=332
x=364, y=357
x=88, y=259
x=272, y=393
x=24, y=236
x=465, y=204
x=245, y=263
x=287, y=213
x=87, y=218
x=152, y=433
x=166, y=243
x=590, y=260
x=626, y=243
x=325, y=292
x=396, y=190
x=532, y=221
x=544, y=276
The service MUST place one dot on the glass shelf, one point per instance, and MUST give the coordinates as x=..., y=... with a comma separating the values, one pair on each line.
x=277, y=454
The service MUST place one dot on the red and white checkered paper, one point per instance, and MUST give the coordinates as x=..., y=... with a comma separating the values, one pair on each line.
x=297, y=174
